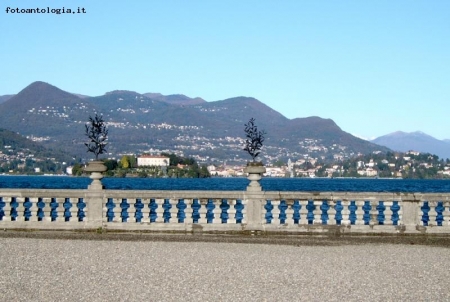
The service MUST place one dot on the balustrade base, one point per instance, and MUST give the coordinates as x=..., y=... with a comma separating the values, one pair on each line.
x=244, y=229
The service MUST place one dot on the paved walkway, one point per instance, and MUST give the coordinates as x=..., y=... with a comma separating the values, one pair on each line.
x=38, y=269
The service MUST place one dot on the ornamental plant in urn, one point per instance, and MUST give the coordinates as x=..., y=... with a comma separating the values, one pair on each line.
x=253, y=143
x=97, y=133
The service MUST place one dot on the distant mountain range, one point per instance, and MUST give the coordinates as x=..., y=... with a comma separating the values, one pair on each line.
x=416, y=141
x=152, y=122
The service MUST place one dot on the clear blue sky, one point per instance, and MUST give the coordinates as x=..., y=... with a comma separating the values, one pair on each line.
x=374, y=67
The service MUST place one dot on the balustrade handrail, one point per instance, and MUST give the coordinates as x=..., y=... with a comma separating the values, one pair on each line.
x=258, y=210
x=327, y=195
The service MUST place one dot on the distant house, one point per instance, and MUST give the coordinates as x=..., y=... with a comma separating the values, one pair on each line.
x=69, y=170
x=371, y=172
x=416, y=153
x=153, y=161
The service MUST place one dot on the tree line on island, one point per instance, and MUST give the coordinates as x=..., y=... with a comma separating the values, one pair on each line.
x=180, y=167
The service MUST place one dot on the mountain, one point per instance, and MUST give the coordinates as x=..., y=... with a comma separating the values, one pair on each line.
x=5, y=97
x=211, y=131
x=81, y=96
x=17, y=145
x=175, y=99
x=416, y=141
x=45, y=111
x=41, y=109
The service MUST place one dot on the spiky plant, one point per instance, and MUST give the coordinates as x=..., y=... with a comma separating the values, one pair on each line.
x=97, y=132
x=255, y=139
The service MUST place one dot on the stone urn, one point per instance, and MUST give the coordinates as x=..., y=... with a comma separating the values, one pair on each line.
x=95, y=168
x=255, y=171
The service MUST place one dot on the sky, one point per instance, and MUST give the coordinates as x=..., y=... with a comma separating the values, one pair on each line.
x=374, y=67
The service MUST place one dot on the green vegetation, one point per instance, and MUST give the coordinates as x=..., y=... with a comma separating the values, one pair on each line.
x=180, y=167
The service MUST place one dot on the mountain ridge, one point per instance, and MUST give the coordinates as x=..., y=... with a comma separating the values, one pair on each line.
x=142, y=123
x=414, y=141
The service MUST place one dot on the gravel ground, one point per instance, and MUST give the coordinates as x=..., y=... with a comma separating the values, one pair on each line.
x=64, y=269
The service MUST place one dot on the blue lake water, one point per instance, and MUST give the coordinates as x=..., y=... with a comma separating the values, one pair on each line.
x=231, y=184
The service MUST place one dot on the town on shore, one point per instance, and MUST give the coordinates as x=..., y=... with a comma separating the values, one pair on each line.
x=376, y=165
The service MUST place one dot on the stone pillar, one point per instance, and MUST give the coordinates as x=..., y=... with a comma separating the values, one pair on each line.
x=410, y=204
x=94, y=194
x=410, y=212
x=94, y=202
x=255, y=198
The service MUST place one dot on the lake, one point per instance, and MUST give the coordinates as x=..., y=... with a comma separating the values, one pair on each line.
x=231, y=184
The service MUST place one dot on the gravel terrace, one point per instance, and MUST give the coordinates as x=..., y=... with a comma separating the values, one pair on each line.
x=159, y=268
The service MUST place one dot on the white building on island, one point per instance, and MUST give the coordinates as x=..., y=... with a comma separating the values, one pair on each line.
x=153, y=161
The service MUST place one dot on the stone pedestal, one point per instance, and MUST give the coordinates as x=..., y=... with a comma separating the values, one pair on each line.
x=96, y=168
x=254, y=175
x=255, y=197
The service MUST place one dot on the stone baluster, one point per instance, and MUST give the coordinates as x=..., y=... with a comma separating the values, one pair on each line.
x=217, y=210
x=202, y=211
x=20, y=209
x=47, y=210
x=331, y=212
x=73, y=209
x=345, y=212
x=446, y=213
x=303, y=212
x=359, y=212
x=432, y=214
x=117, y=210
x=373, y=212
x=317, y=212
x=131, y=210
x=33, y=209
x=145, y=210
x=59, y=209
x=7, y=209
x=160, y=210
x=276, y=212
x=289, y=212
x=173, y=210
x=188, y=211
x=231, y=211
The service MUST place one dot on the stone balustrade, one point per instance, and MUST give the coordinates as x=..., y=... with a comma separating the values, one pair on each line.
x=224, y=211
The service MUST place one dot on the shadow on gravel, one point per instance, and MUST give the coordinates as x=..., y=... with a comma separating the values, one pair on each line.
x=292, y=240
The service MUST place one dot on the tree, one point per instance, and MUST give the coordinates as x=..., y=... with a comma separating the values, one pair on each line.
x=125, y=162
x=97, y=132
x=77, y=169
x=254, y=140
x=111, y=164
